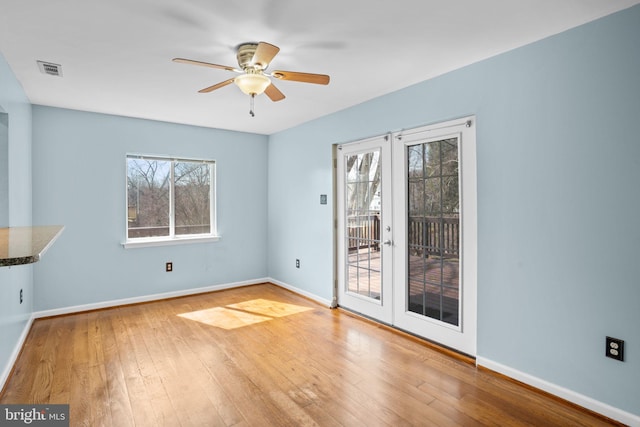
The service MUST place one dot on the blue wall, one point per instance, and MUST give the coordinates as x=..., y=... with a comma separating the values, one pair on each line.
x=558, y=202
x=558, y=168
x=13, y=315
x=79, y=180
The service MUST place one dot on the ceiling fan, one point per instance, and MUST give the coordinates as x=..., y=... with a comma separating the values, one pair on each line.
x=253, y=60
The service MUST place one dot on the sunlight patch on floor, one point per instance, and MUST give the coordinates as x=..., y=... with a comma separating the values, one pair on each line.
x=269, y=308
x=244, y=313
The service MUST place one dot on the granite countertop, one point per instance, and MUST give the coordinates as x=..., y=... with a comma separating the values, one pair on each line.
x=26, y=245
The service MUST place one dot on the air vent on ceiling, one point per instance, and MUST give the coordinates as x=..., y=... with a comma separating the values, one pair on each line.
x=49, y=68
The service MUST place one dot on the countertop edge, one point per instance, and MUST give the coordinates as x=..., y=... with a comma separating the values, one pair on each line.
x=30, y=259
x=12, y=262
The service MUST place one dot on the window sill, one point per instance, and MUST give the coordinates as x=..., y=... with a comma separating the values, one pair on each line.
x=144, y=243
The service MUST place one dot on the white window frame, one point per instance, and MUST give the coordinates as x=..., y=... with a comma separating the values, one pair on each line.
x=172, y=238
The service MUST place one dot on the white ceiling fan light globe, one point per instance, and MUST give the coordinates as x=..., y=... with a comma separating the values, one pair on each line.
x=252, y=84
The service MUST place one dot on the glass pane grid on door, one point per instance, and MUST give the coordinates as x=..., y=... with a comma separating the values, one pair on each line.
x=364, y=272
x=399, y=241
x=363, y=224
x=433, y=230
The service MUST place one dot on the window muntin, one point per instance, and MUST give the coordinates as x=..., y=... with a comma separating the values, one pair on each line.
x=433, y=230
x=169, y=198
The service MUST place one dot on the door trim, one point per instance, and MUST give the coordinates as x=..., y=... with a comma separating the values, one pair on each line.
x=380, y=309
x=468, y=239
x=463, y=337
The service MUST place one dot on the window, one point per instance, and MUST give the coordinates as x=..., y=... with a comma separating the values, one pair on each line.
x=169, y=200
x=433, y=232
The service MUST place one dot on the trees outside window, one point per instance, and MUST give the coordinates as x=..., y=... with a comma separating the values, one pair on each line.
x=168, y=198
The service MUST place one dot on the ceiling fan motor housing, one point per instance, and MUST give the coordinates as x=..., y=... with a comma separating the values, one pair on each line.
x=245, y=56
x=253, y=59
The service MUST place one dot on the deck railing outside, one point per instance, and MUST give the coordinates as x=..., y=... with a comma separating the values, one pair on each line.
x=363, y=231
x=181, y=230
x=433, y=235
x=425, y=234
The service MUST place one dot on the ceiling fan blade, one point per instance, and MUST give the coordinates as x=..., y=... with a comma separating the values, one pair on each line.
x=274, y=93
x=264, y=54
x=320, y=79
x=206, y=64
x=216, y=86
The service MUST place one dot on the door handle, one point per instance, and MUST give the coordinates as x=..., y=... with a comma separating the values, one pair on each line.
x=387, y=242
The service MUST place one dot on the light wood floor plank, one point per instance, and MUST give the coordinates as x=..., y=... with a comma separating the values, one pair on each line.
x=261, y=356
x=60, y=389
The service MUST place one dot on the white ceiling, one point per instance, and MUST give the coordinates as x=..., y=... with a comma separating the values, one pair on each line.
x=116, y=54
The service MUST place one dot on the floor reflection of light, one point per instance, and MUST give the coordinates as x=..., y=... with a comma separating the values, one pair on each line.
x=224, y=318
x=244, y=313
x=269, y=308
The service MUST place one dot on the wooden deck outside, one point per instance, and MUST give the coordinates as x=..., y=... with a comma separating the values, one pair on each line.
x=434, y=284
x=364, y=278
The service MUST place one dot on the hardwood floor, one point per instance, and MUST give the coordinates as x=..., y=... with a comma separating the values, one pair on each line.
x=261, y=356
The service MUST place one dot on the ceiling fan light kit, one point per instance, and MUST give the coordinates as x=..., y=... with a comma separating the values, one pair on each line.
x=253, y=59
x=252, y=84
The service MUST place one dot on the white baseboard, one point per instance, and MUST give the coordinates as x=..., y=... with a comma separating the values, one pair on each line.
x=134, y=300
x=15, y=353
x=564, y=393
x=302, y=292
x=174, y=294
x=144, y=298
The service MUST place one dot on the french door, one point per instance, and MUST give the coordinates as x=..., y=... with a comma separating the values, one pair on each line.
x=364, y=227
x=407, y=231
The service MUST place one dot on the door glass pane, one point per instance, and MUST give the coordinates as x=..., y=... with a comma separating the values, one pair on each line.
x=433, y=228
x=362, y=200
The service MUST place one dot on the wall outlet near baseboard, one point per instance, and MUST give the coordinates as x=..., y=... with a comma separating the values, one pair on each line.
x=615, y=348
x=168, y=267
x=297, y=263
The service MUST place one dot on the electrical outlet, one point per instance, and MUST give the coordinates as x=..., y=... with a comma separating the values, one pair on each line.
x=168, y=266
x=21, y=299
x=615, y=348
x=297, y=263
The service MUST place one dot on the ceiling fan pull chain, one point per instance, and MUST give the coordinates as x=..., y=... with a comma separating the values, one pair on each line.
x=253, y=95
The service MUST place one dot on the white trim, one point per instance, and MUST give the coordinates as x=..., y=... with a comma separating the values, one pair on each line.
x=464, y=336
x=296, y=290
x=380, y=309
x=167, y=241
x=15, y=353
x=587, y=402
x=175, y=294
x=169, y=158
x=166, y=295
x=172, y=200
x=564, y=393
x=144, y=298
x=172, y=239
x=134, y=300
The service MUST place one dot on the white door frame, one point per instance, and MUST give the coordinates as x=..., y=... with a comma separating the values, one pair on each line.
x=381, y=309
x=392, y=309
x=463, y=337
